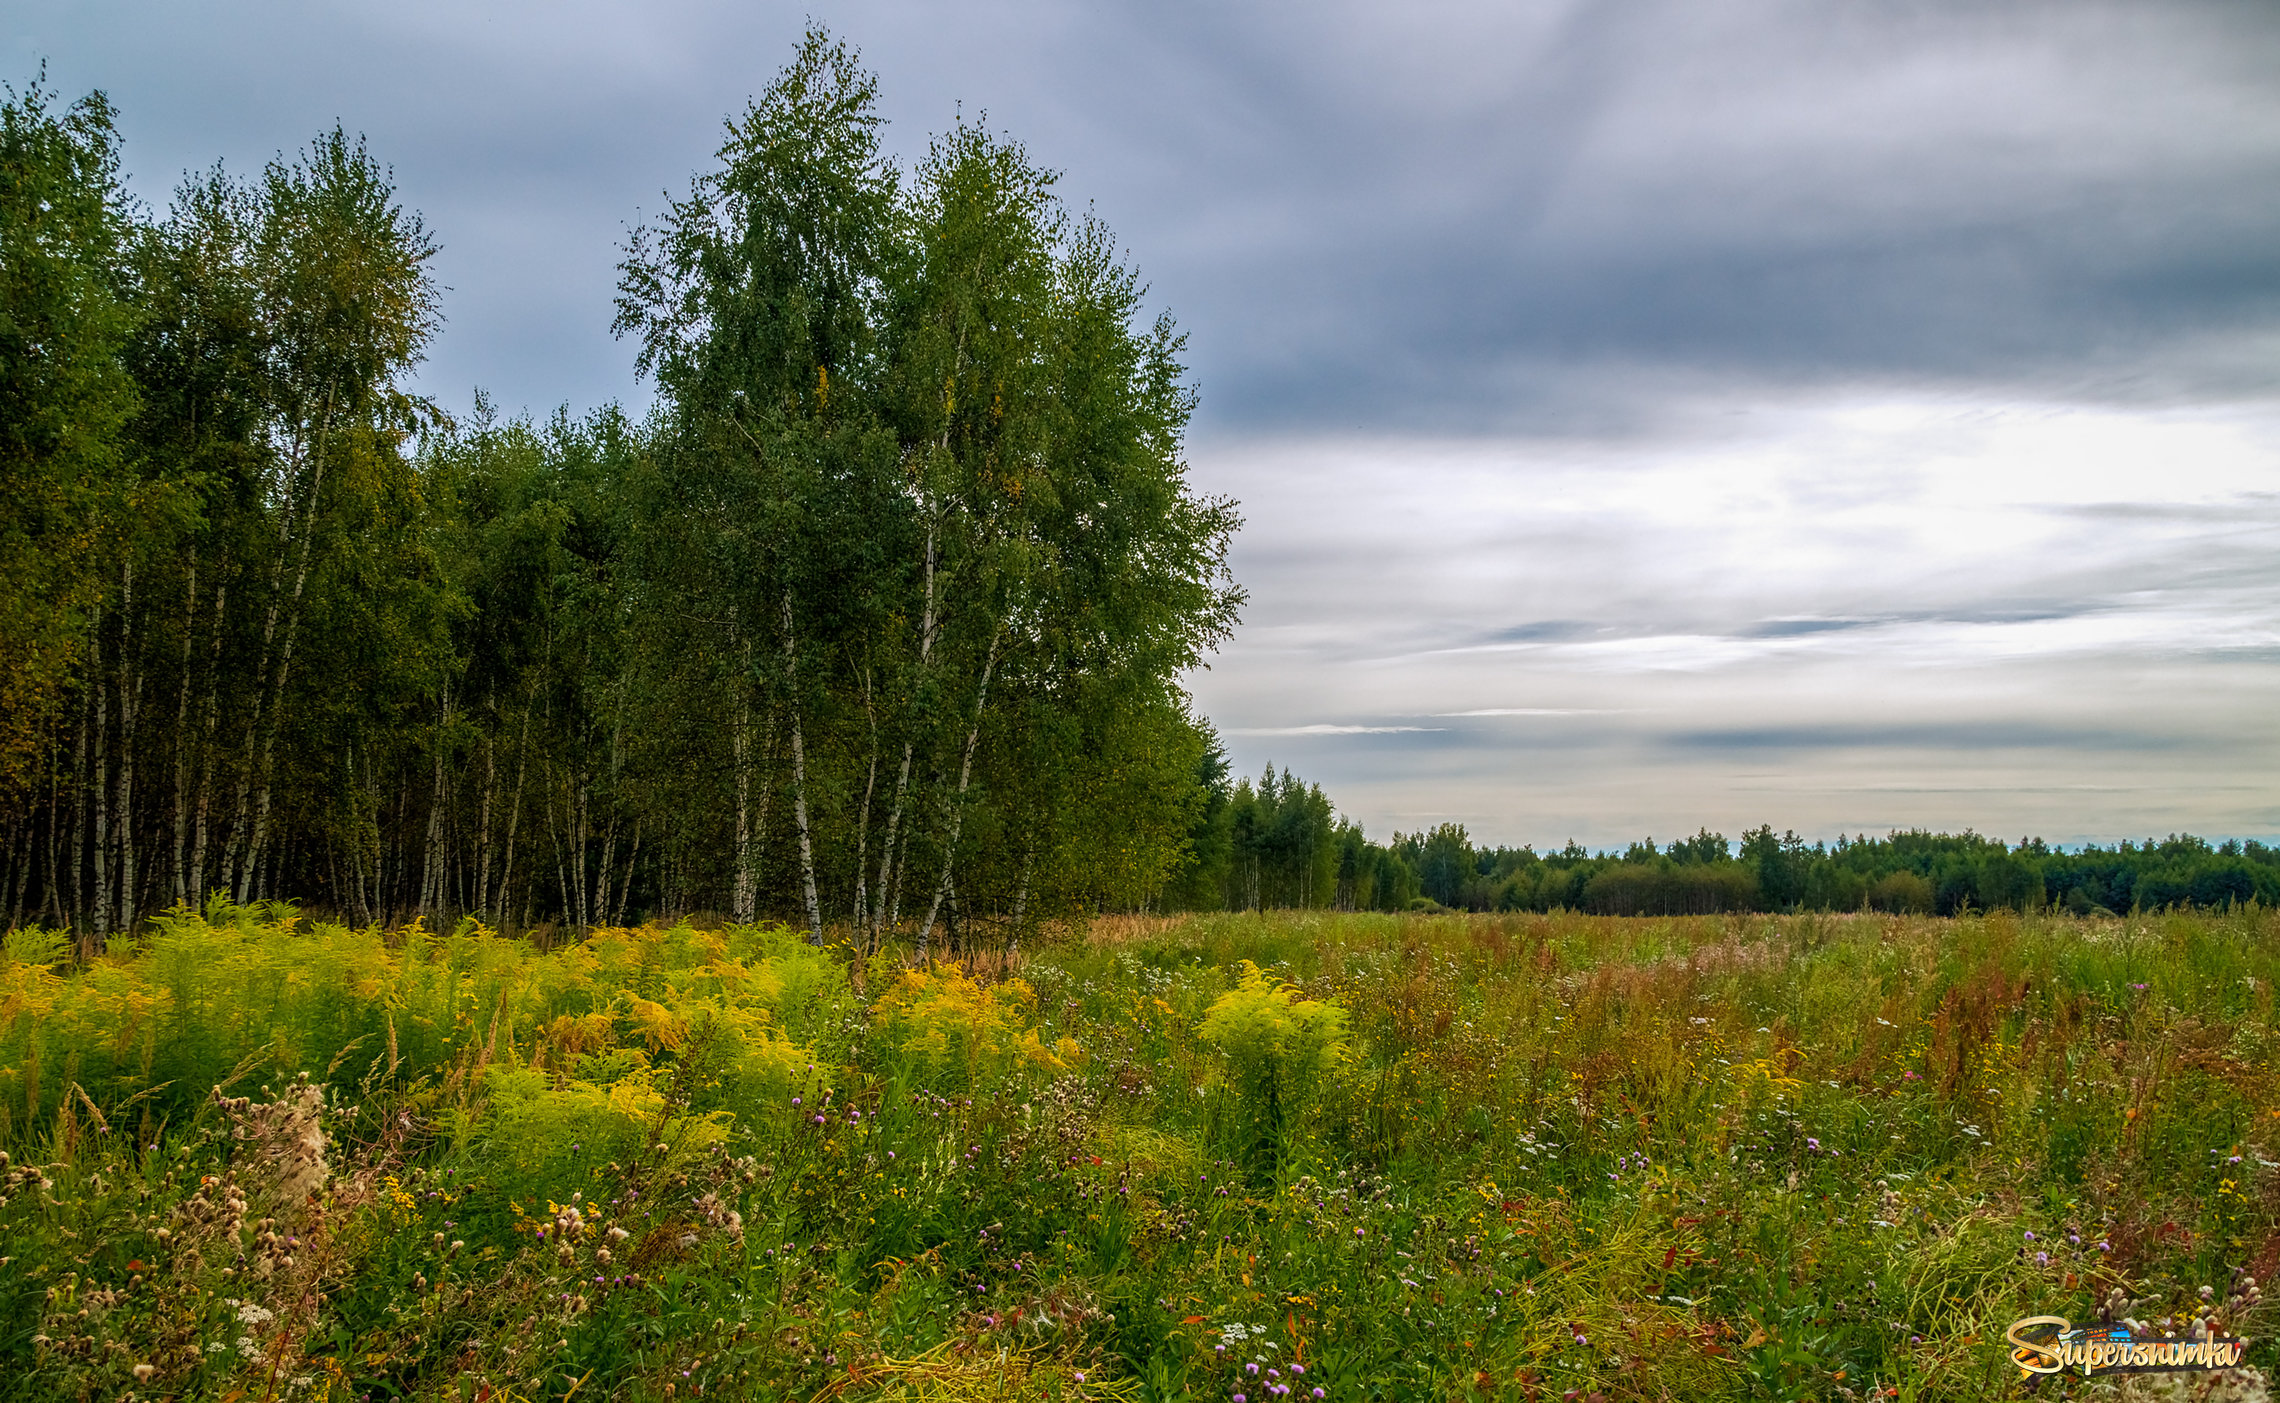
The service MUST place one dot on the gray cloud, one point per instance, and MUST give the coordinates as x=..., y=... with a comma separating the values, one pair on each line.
x=1494, y=217
x=1947, y=738
x=1324, y=728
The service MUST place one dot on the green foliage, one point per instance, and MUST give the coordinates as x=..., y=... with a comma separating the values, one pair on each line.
x=65, y=318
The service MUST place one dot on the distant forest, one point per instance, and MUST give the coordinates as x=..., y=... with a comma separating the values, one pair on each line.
x=875, y=624
x=1279, y=843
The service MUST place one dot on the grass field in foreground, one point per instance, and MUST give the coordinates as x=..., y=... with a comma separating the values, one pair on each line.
x=1278, y=1158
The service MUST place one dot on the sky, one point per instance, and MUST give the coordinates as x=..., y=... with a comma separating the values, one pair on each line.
x=1646, y=416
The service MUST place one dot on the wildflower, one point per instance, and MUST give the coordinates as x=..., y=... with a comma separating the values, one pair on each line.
x=1080, y=1376
x=1811, y=1143
x=2030, y=1236
x=2042, y=1259
x=1299, y=1369
x=1250, y=1368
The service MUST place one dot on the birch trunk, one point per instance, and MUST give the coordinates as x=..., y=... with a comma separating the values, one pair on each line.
x=431, y=861
x=482, y=892
x=232, y=875
x=965, y=778
x=1021, y=899
x=625, y=886
x=751, y=823
x=514, y=814
x=99, y=835
x=206, y=733
x=356, y=852
x=863, y=815
x=182, y=745
x=888, y=907
x=54, y=897
x=604, y=872
x=130, y=706
x=20, y=866
x=579, y=832
x=799, y=779
x=285, y=659
x=561, y=868
x=741, y=897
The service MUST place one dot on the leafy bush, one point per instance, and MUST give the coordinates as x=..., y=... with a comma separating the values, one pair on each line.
x=1279, y=1047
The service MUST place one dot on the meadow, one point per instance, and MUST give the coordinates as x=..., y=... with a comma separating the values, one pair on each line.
x=1247, y=1158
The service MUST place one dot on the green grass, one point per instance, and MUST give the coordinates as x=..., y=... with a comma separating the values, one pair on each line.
x=1415, y=1157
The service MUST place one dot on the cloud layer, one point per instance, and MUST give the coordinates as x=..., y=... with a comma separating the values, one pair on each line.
x=1866, y=610
x=1647, y=413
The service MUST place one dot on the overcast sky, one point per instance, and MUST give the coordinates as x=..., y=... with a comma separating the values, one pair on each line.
x=1647, y=415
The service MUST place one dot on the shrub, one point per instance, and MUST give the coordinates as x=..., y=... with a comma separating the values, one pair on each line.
x=953, y=1032
x=1901, y=892
x=1278, y=1048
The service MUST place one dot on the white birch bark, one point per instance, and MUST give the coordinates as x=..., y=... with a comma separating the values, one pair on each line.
x=195, y=878
x=958, y=803
x=130, y=707
x=799, y=779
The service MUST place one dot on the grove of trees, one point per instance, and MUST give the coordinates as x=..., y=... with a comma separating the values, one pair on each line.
x=877, y=621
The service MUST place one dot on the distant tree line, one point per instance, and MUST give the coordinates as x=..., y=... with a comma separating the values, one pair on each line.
x=1279, y=843
x=876, y=623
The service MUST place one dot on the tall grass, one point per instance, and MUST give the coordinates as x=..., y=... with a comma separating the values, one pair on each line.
x=1379, y=1156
